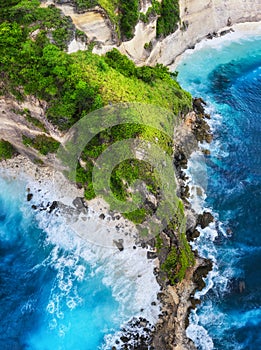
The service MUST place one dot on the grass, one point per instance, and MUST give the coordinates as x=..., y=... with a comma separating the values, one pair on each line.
x=114, y=87
x=36, y=122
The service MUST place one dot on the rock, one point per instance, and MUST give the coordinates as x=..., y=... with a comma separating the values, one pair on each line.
x=206, y=152
x=242, y=286
x=195, y=234
x=198, y=105
x=124, y=339
x=224, y=32
x=191, y=220
x=229, y=22
x=119, y=244
x=229, y=231
x=151, y=255
x=29, y=197
x=79, y=204
x=201, y=272
x=102, y=216
x=205, y=219
x=53, y=206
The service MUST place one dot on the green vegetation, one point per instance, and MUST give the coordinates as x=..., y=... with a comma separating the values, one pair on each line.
x=124, y=174
x=169, y=17
x=148, y=46
x=178, y=261
x=82, y=5
x=74, y=85
x=154, y=10
x=42, y=143
x=170, y=264
x=180, y=256
x=7, y=150
x=158, y=243
x=129, y=16
x=36, y=122
x=49, y=21
x=33, y=62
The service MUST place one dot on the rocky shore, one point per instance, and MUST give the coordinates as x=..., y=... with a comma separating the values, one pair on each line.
x=177, y=300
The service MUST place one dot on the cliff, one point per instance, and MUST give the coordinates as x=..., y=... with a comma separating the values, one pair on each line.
x=199, y=18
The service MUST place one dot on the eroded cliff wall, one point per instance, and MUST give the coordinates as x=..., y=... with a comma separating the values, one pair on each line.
x=198, y=19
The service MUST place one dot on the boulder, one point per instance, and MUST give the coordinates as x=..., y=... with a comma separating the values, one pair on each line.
x=205, y=219
x=119, y=244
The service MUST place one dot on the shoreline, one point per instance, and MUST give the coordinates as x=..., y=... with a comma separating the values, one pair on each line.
x=45, y=192
x=245, y=31
x=179, y=299
x=176, y=301
x=233, y=33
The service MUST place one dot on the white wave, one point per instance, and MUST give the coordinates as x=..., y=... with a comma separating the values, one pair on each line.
x=128, y=273
x=205, y=243
x=199, y=334
x=241, y=33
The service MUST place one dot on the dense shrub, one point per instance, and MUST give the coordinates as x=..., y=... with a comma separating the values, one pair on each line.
x=167, y=23
x=42, y=143
x=129, y=15
x=7, y=150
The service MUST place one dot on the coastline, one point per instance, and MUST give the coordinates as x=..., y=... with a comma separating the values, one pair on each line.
x=178, y=300
x=52, y=197
x=173, y=47
x=215, y=231
x=167, y=306
x=233, y=33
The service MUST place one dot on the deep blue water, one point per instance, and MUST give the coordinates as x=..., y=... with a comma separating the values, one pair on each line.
x=227, y=74
x=51, y=298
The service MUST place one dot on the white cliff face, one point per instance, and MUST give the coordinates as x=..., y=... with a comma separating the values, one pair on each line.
x=198, y=18
x=202, y=17
x=93, y=23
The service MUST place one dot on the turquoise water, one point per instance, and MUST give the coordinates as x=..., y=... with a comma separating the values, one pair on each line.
x=51, y=298
x=227, y=74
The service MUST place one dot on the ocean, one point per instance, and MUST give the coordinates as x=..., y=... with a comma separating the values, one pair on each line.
x=226, y=73
x=59, y=291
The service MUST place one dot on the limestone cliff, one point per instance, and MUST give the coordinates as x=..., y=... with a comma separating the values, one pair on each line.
x=198, y=19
